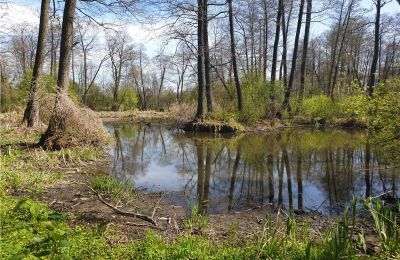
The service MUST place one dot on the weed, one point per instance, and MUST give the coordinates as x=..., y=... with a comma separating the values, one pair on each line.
x=386, y=226
x=109, y=185
x=196, y=220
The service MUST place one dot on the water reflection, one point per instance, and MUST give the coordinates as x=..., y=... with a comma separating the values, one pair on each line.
x=295, y=169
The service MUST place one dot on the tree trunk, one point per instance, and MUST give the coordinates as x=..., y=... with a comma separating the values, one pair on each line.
x=31, y=114
x=160, y=87
x=289, y=87
x=276, y=42
x=371, y=80
x=265, y=43
x=338, y=60
x=284, y=46
x=207, y=58
x=233, y=56
x=70, y=125
x=66, y=46
x=200, y=60
x=305, y=49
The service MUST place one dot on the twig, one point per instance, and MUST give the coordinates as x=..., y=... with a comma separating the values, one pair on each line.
x=155, y=206
x=379, y=168
x=132, y=214
x=383, y=194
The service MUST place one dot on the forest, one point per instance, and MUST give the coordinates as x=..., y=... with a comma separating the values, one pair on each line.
x=208, y=129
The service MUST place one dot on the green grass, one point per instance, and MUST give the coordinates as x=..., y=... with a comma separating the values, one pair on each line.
x=112, y=187
x=30, y=230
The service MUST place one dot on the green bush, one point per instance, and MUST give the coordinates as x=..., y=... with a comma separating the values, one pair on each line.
x=384, y=119
x=320, y=107
x=353, y=106
x=127, y=99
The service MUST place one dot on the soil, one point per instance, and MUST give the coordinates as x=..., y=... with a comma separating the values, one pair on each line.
x=73, y=197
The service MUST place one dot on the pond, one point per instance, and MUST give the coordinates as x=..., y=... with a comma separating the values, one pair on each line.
x=299, y=169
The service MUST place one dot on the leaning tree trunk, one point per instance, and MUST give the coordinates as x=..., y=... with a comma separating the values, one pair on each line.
x=305, y=49
x=289, y=87
x=70, y=125
x=31, y=114
x=233, y=55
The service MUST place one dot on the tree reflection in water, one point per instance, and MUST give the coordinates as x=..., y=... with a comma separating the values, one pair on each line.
x=295, y=169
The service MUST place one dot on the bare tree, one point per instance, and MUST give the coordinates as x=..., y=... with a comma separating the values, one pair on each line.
x=289, y=87
x=233, y=56
x=86, y=42
x=120, y=52
x=371, y=82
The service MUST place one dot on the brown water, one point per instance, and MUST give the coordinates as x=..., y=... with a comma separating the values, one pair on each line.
x=301, y=169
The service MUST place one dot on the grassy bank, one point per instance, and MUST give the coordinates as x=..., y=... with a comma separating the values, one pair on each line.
x=48, y=211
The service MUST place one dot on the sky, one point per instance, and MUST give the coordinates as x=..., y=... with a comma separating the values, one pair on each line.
x=27, y=11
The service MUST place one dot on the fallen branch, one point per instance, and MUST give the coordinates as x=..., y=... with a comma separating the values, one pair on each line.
x=125, y=213
x=142, y=225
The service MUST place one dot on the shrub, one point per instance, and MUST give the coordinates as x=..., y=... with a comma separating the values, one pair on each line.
x=127, y=99
x=319, y=107
x=353, y=106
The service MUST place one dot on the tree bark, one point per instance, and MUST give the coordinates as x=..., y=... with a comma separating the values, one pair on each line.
x=289, y=87
x=371, y=80
x=305, y=49
x=276, y=42
x=66, y=46
x=200, y=60
x=284, y=46
x=207, y=66
x=265, y=43
x=233, y=56
x=31, y=114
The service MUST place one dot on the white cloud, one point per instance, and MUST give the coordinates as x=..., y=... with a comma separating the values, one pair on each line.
x=12, y=14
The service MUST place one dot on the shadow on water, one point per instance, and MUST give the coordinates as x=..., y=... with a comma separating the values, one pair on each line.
x=303, y=170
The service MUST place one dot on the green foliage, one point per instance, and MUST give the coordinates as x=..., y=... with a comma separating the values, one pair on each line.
x=196, y=220
x=386, y=226
x=256, y=99
x=384, y=119
x=353, y=106
x=338, y=242
x=29, y=229
x=31, y=181
x=127, y=99
x=99, y=100
x=14, y=97
x=319, y=107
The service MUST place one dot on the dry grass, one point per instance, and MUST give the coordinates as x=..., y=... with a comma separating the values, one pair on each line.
x=71, y=126
x=184, y=112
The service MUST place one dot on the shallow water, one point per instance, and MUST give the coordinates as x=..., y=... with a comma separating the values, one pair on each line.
x=300, y=169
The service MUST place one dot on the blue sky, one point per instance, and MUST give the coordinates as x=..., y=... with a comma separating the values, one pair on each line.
x=147, y=36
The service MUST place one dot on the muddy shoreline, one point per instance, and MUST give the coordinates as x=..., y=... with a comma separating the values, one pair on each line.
x=169, y=119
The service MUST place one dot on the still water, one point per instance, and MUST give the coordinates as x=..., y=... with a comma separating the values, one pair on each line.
x=299, y=169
